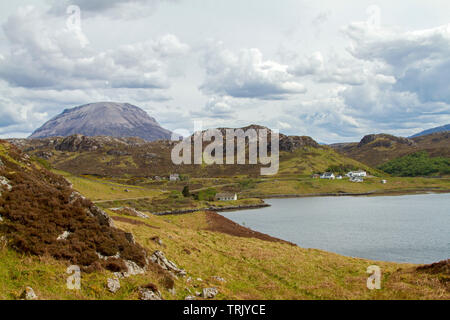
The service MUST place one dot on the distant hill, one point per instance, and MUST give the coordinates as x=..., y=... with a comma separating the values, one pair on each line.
x=432, y=130
x=377, y=149
x=104, y=119
x=109, y=156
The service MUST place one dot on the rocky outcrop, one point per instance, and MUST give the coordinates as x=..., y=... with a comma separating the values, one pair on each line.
x=102, y=217
x=78, y=142
x=5, y=184
x=159, y=258
x=44, y=154
x=386, y=138
x=292, y=143
x=132, y=270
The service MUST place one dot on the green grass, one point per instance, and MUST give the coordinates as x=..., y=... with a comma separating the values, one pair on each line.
x=252, y=268
x=102, y=189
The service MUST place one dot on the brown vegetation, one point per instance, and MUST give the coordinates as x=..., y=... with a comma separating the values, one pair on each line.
x=40, y=207
x=218, y=223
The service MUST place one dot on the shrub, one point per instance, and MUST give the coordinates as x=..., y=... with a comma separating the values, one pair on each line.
x=417, y=164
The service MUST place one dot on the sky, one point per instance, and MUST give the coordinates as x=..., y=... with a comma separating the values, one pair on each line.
x=332, y=70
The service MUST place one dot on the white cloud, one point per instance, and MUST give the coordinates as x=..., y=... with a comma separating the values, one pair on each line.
x=418, y=60
x=43, y=55
x=247, y=75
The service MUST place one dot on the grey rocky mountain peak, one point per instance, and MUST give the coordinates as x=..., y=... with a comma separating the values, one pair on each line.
x=104, y=119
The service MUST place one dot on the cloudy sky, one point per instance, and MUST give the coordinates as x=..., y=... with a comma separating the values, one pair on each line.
x=333, y=70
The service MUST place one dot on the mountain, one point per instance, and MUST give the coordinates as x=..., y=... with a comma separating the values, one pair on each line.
x=104, y=119
x=377, y=149
x=432, y=130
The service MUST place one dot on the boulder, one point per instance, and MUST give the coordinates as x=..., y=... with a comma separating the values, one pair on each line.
x=132, y=270
x=28, y=294
x=149, y=293
x=113, y=285
x=210, y=293
x=159, y=258
x=5, y=183
x=102, y=217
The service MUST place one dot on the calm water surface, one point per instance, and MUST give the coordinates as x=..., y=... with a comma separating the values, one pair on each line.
x=414, y=228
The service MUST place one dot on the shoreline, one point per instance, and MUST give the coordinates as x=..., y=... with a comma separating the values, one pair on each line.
x=215, y=209
x=306, y=195
x=358, y=194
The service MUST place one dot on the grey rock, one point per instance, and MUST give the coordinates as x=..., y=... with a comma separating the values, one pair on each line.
x=149, y=294
x=5, y=183
x=113, y=285
x=104, y=119
x=190, y=298
x=64, y=235
x=129, y=236
x=210, y=293
x=219, y=279
x=132, y=270
x=28, y=294
x=102, y=217
x=44, y=155
x=159, y=258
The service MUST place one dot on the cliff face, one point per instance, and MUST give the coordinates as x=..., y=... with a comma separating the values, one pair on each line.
x=104, y=119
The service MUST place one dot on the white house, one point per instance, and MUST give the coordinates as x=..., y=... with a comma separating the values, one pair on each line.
x=174, y=177
x=225, y=196
x=328, y=175
x=360, y=173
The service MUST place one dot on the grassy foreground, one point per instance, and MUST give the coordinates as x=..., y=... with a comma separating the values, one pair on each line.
x=252, y=268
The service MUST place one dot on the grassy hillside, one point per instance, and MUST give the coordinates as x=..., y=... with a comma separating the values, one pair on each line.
x=252, y=268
